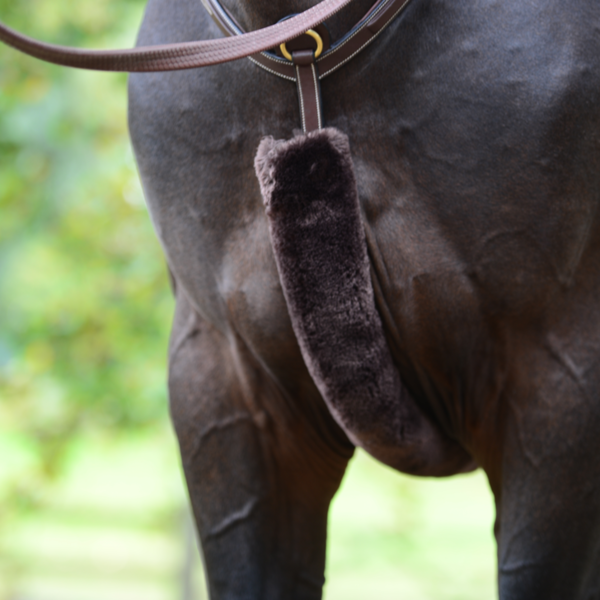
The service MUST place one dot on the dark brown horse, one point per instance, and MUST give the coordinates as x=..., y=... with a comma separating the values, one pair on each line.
x=474, y=130
x=458, y=281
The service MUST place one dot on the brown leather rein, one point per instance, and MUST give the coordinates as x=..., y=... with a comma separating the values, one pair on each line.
x=172, y=57
x=305, y=68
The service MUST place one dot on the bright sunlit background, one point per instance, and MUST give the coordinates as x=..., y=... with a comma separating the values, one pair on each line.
x=92, y=503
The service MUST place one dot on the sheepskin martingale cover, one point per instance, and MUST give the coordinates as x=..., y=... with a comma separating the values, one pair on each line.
x=318, y=239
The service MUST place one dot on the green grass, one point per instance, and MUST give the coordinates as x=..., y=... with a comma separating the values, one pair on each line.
x=113, y=526
x=394, y=536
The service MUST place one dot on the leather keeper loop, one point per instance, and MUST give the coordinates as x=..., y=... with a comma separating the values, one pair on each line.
x=309, y=90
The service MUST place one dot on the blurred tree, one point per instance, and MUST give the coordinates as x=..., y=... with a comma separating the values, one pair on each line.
x=84, y=299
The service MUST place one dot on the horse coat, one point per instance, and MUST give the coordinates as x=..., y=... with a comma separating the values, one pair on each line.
x=473, y=130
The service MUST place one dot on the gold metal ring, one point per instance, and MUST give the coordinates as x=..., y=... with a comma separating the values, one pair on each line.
x=313, y=34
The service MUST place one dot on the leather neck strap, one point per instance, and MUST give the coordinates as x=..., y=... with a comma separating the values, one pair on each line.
x=359, y=37
x=304, y=69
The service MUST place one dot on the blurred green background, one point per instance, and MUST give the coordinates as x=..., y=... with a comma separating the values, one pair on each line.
x=92, y=503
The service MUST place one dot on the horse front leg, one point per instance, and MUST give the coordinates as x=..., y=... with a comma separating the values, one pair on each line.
x=260, y=477
x=547, y=477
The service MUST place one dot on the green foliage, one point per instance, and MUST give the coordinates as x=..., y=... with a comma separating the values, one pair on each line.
x=84, y=299
x=85, y=305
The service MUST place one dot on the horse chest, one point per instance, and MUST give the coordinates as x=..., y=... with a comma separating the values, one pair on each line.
x=475, y=219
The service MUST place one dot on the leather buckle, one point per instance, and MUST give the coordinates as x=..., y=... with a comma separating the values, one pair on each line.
x=306, y=42
x=313, y=34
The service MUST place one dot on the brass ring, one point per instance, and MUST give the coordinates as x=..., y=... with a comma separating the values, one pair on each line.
x=313, y=34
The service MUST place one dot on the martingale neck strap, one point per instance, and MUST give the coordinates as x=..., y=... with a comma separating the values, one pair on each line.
x=307, y=65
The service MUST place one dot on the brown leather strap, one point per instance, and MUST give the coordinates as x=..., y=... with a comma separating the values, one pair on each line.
x=172, y=57
x=369, y=29
x=381, y=14
x=309, y=92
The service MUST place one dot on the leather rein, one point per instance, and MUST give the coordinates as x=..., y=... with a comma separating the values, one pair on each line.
x=306, y=67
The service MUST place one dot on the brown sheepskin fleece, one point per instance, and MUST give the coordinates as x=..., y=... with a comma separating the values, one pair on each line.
x=318, y=239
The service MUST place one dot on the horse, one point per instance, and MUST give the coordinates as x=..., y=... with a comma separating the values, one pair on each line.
x=473, y=131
